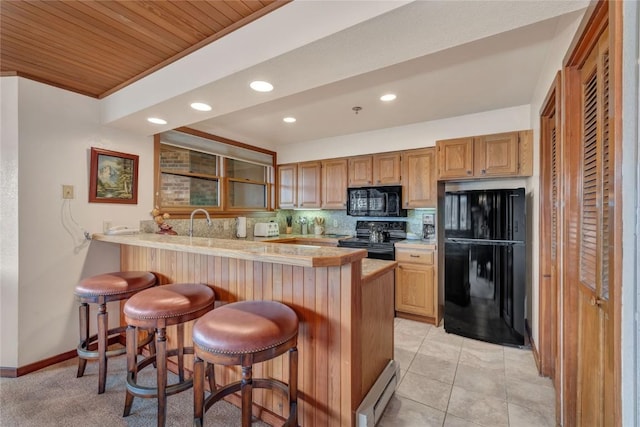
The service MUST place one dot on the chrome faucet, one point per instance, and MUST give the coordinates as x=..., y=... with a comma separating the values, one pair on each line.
x=192, y=214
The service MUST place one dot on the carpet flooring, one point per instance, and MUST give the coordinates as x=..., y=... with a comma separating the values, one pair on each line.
x=55, y=397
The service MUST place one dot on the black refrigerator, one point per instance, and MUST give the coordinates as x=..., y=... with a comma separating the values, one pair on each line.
x=485, y=266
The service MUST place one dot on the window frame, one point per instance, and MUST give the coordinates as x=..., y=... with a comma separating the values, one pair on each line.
x=223, y=209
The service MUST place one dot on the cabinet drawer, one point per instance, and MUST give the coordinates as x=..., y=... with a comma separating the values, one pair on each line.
x=418, y=256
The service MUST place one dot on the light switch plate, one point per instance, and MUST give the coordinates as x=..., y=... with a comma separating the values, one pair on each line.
x=67, y=191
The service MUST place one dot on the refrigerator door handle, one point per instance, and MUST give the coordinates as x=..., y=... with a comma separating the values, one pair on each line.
x=484, y=242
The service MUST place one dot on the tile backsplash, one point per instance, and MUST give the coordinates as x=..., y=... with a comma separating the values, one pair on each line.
x=335, y=222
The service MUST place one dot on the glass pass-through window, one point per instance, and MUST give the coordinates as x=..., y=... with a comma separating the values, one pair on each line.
x=200, y=171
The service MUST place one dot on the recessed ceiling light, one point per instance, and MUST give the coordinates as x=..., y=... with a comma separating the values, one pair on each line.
x=260, y=86
x=157, y=121
x=201, y=106
x=289, y=120
x=388, y=97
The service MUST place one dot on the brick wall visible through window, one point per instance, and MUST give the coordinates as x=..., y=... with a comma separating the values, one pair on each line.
x=201, y=170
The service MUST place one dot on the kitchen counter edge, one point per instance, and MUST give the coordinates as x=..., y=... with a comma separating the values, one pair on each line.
x=299, y=255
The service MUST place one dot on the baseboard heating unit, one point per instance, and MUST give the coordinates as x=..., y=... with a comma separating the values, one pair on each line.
x=370, y=410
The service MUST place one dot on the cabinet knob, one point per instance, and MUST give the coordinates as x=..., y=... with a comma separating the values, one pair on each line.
x=483, y=171
x=468, y=172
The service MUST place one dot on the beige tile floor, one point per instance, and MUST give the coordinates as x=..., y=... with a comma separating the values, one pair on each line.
x=448, y=380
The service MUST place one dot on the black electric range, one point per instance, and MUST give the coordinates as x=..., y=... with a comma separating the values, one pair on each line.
x=383, y=248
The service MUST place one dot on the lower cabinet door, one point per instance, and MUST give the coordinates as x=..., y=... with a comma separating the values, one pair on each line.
x=415, y=289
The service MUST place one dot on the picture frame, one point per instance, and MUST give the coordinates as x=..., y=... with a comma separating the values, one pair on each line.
x=113, y=177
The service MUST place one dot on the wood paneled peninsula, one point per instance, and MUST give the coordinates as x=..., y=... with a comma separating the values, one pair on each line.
x=344, y=302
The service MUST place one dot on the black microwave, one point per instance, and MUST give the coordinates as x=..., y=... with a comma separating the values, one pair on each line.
x=375, y=201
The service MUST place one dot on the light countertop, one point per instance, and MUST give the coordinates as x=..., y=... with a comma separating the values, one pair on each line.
x=306, y=255
x=372, y=268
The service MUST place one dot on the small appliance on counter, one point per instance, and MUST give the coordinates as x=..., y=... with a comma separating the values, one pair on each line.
x=429, y=226
x=241, y=227
x=266, y=229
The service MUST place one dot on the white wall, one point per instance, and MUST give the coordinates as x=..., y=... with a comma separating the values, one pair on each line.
x=630, y=216
x=8, y=221
x=417, y=135
x=56, y=130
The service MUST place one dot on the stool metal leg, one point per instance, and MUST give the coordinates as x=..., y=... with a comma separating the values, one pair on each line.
x=132, y=368
x=83, y=316
x=198, y=391
x=247, y=395
x=161, y=359
x=103, y=327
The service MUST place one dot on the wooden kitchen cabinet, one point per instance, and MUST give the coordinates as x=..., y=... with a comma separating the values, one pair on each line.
x=361, y=171
x=455, y=158
x=420, y=178
x=377, y=169
x=486, y=156
x=416, y=284
x=334, y=183
x=309, y=184
x=288, y=186
x=386, y=169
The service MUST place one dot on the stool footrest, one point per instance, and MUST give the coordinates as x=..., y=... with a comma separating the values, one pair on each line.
x=152, y=391
x=85, y=353
x=228, y=389
x=145, y=391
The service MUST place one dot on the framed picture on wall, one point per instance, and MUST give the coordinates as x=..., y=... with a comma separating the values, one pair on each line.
x=113, y=177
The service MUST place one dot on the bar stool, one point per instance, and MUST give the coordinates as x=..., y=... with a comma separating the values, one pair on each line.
x=157, y=308
x=100, y=290
x=244, y=333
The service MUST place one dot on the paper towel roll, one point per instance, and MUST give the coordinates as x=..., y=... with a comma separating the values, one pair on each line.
x=241, y=226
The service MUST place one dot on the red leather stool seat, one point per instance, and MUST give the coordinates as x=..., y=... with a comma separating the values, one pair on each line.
x=245, y=333
x=100, y=290
x=157, y=308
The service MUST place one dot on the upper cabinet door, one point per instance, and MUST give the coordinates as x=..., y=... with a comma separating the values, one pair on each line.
x=486, y=156
x=455, y=158
x=496, y=155
x=386, y=169
x=309, y=185
x=419, y=178
x=288, y=184
x=334, y=184
x=360, y=171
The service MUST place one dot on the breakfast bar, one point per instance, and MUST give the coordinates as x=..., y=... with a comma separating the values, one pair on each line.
x=343, y=300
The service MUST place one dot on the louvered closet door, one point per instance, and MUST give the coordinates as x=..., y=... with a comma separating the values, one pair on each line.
x=590, y=271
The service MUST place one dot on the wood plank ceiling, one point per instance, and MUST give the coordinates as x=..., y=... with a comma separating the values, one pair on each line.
x=98, y=47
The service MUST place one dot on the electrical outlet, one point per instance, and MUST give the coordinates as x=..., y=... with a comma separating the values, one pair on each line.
x=67, y=191
x=335, y=223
